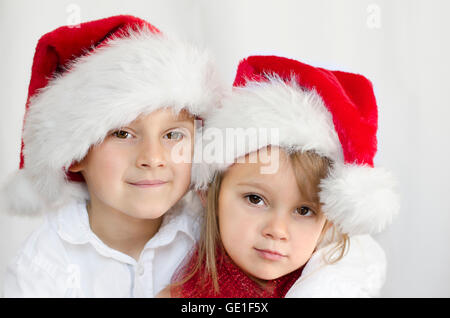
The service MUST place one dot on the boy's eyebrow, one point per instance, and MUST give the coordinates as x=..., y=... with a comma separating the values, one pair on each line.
x=180, y=120
x=183, y=116
x=173, y=125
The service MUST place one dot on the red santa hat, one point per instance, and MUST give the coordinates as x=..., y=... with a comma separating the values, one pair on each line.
x=88, y=80
x=332, y=113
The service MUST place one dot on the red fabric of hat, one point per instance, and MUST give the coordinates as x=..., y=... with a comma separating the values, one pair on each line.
x=349, y=98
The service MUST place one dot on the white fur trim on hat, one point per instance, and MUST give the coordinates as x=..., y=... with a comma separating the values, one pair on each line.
x=301, y=120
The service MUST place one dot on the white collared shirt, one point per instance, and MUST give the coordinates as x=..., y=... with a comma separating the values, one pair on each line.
x=64, y=258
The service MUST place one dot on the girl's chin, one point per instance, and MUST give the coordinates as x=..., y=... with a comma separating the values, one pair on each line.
x=263, y=277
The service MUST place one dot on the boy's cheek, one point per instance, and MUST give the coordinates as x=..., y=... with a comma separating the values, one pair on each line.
x=105, y=163
x=109, y=163
x=181, y=153
x=182, y=172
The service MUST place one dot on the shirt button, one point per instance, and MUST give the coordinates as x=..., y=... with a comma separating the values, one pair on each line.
x=140, y=270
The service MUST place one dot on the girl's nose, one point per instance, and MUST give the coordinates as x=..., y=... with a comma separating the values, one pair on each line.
x=276, y=228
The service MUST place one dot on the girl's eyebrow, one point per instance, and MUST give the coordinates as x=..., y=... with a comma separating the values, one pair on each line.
x=266, y=189
x=256, y=184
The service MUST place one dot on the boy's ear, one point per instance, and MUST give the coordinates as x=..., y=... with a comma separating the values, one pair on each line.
x=203, y=194
x=76, y=167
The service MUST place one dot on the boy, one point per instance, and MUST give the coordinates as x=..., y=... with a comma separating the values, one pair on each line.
x=110, y=110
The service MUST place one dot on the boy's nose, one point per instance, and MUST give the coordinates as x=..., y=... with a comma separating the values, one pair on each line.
x=276, y=228
x=151, y=155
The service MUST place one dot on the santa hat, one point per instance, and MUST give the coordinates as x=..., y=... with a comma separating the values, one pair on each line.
x=88, y=80
x=332, y=113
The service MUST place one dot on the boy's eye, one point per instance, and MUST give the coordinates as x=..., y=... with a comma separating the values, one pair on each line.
x=174, y=135
x=305, y=211
x=122, y=134
x=254, y=199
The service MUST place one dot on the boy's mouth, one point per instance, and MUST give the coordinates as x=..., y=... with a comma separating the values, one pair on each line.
x=148, y=183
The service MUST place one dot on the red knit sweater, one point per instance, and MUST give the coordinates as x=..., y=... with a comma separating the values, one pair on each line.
x=233, y=282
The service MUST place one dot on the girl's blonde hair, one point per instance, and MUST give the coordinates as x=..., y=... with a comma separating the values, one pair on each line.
x=309, y=169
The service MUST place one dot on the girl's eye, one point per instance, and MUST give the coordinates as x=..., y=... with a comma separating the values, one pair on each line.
x=305, y=211
x=174, y=135
x=254, y=199
x=122, y=134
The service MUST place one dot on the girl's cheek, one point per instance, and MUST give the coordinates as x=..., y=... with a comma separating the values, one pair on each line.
x=308, y=234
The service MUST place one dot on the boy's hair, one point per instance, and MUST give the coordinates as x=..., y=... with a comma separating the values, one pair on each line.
x=309, y=169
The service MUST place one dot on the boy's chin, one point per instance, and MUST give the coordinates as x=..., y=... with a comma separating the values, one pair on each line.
x=148, y=214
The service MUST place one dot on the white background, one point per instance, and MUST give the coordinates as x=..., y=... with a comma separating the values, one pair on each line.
x=401, y=45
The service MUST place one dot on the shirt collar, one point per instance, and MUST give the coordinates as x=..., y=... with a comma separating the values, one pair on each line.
x=178, y=219
x=72, y=225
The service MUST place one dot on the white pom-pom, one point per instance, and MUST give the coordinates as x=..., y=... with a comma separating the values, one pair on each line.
x=20, y=196
x=27, y=194
x=359, y=199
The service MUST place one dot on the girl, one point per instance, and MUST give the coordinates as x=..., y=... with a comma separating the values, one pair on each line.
x=270, y=230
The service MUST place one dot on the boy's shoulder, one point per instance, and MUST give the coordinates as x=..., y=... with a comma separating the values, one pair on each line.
x=186, y=215
x=40, y=268
x=44, y=248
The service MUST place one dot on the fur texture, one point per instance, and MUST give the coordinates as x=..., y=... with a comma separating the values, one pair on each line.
x=359, y=199
x=349, y=97
x=300, y=118
x=361, y=273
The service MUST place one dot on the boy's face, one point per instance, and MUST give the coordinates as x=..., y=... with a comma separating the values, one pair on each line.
x=266, y=227
x=141, y=169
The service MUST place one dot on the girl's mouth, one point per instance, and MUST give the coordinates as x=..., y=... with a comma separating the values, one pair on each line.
x=270, y=255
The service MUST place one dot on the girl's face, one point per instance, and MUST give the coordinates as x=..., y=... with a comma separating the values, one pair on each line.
x=266, y=227
x=141, y=169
